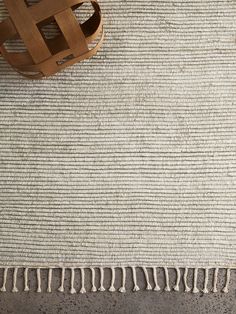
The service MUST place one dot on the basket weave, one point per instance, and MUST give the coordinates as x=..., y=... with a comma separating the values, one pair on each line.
x=46, y=56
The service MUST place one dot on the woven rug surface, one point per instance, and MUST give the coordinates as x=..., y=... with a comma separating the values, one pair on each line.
x=127, y=159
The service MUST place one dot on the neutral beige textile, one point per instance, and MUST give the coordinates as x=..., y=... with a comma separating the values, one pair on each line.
x=128, y=158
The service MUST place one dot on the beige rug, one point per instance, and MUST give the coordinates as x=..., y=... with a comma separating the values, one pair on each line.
x=128, y=159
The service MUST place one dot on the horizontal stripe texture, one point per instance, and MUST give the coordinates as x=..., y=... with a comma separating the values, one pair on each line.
x=128, y=158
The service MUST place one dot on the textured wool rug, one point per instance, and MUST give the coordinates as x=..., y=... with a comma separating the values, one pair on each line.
x=126, y=160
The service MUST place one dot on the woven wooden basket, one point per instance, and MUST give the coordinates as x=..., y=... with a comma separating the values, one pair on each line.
x=46, y=56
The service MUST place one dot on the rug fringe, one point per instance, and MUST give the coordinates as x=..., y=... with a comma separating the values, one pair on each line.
x=178, y=276
x=26, y=287
x=122, y=288
x=72, y=281
x=49, y=288
x=97, y=274
x=216, y=271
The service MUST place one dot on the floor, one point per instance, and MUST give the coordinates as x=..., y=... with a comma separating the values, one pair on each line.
x=142, y=302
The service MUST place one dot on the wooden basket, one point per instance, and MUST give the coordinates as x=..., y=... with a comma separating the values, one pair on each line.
x=46, y=56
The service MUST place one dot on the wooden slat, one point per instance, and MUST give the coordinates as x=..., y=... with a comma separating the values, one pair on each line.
x=72, y=32
x=28, y=30
x=7, y=30
x=47, y=8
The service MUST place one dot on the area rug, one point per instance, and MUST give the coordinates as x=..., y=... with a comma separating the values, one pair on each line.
x=126, y=161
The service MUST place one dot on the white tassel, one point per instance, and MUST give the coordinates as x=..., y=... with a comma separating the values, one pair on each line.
x=215, y=279
x=26, y=288
x=205, y=290
x=156, y=288
x=82, y=290
x=112, y=288
x=39, y=280
x=226, y=287
x=195, y=288
x=61, y=288
x=49, y=288
x=187, y=289
x=167, y=287
x=14, y=288
x=136, y=287
x=72, y=281
x=176, y=287
x=148, y=287
x=113, y=276
x=101, y=288
x=93, y=289
x=3, y=289
x=122, y=288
